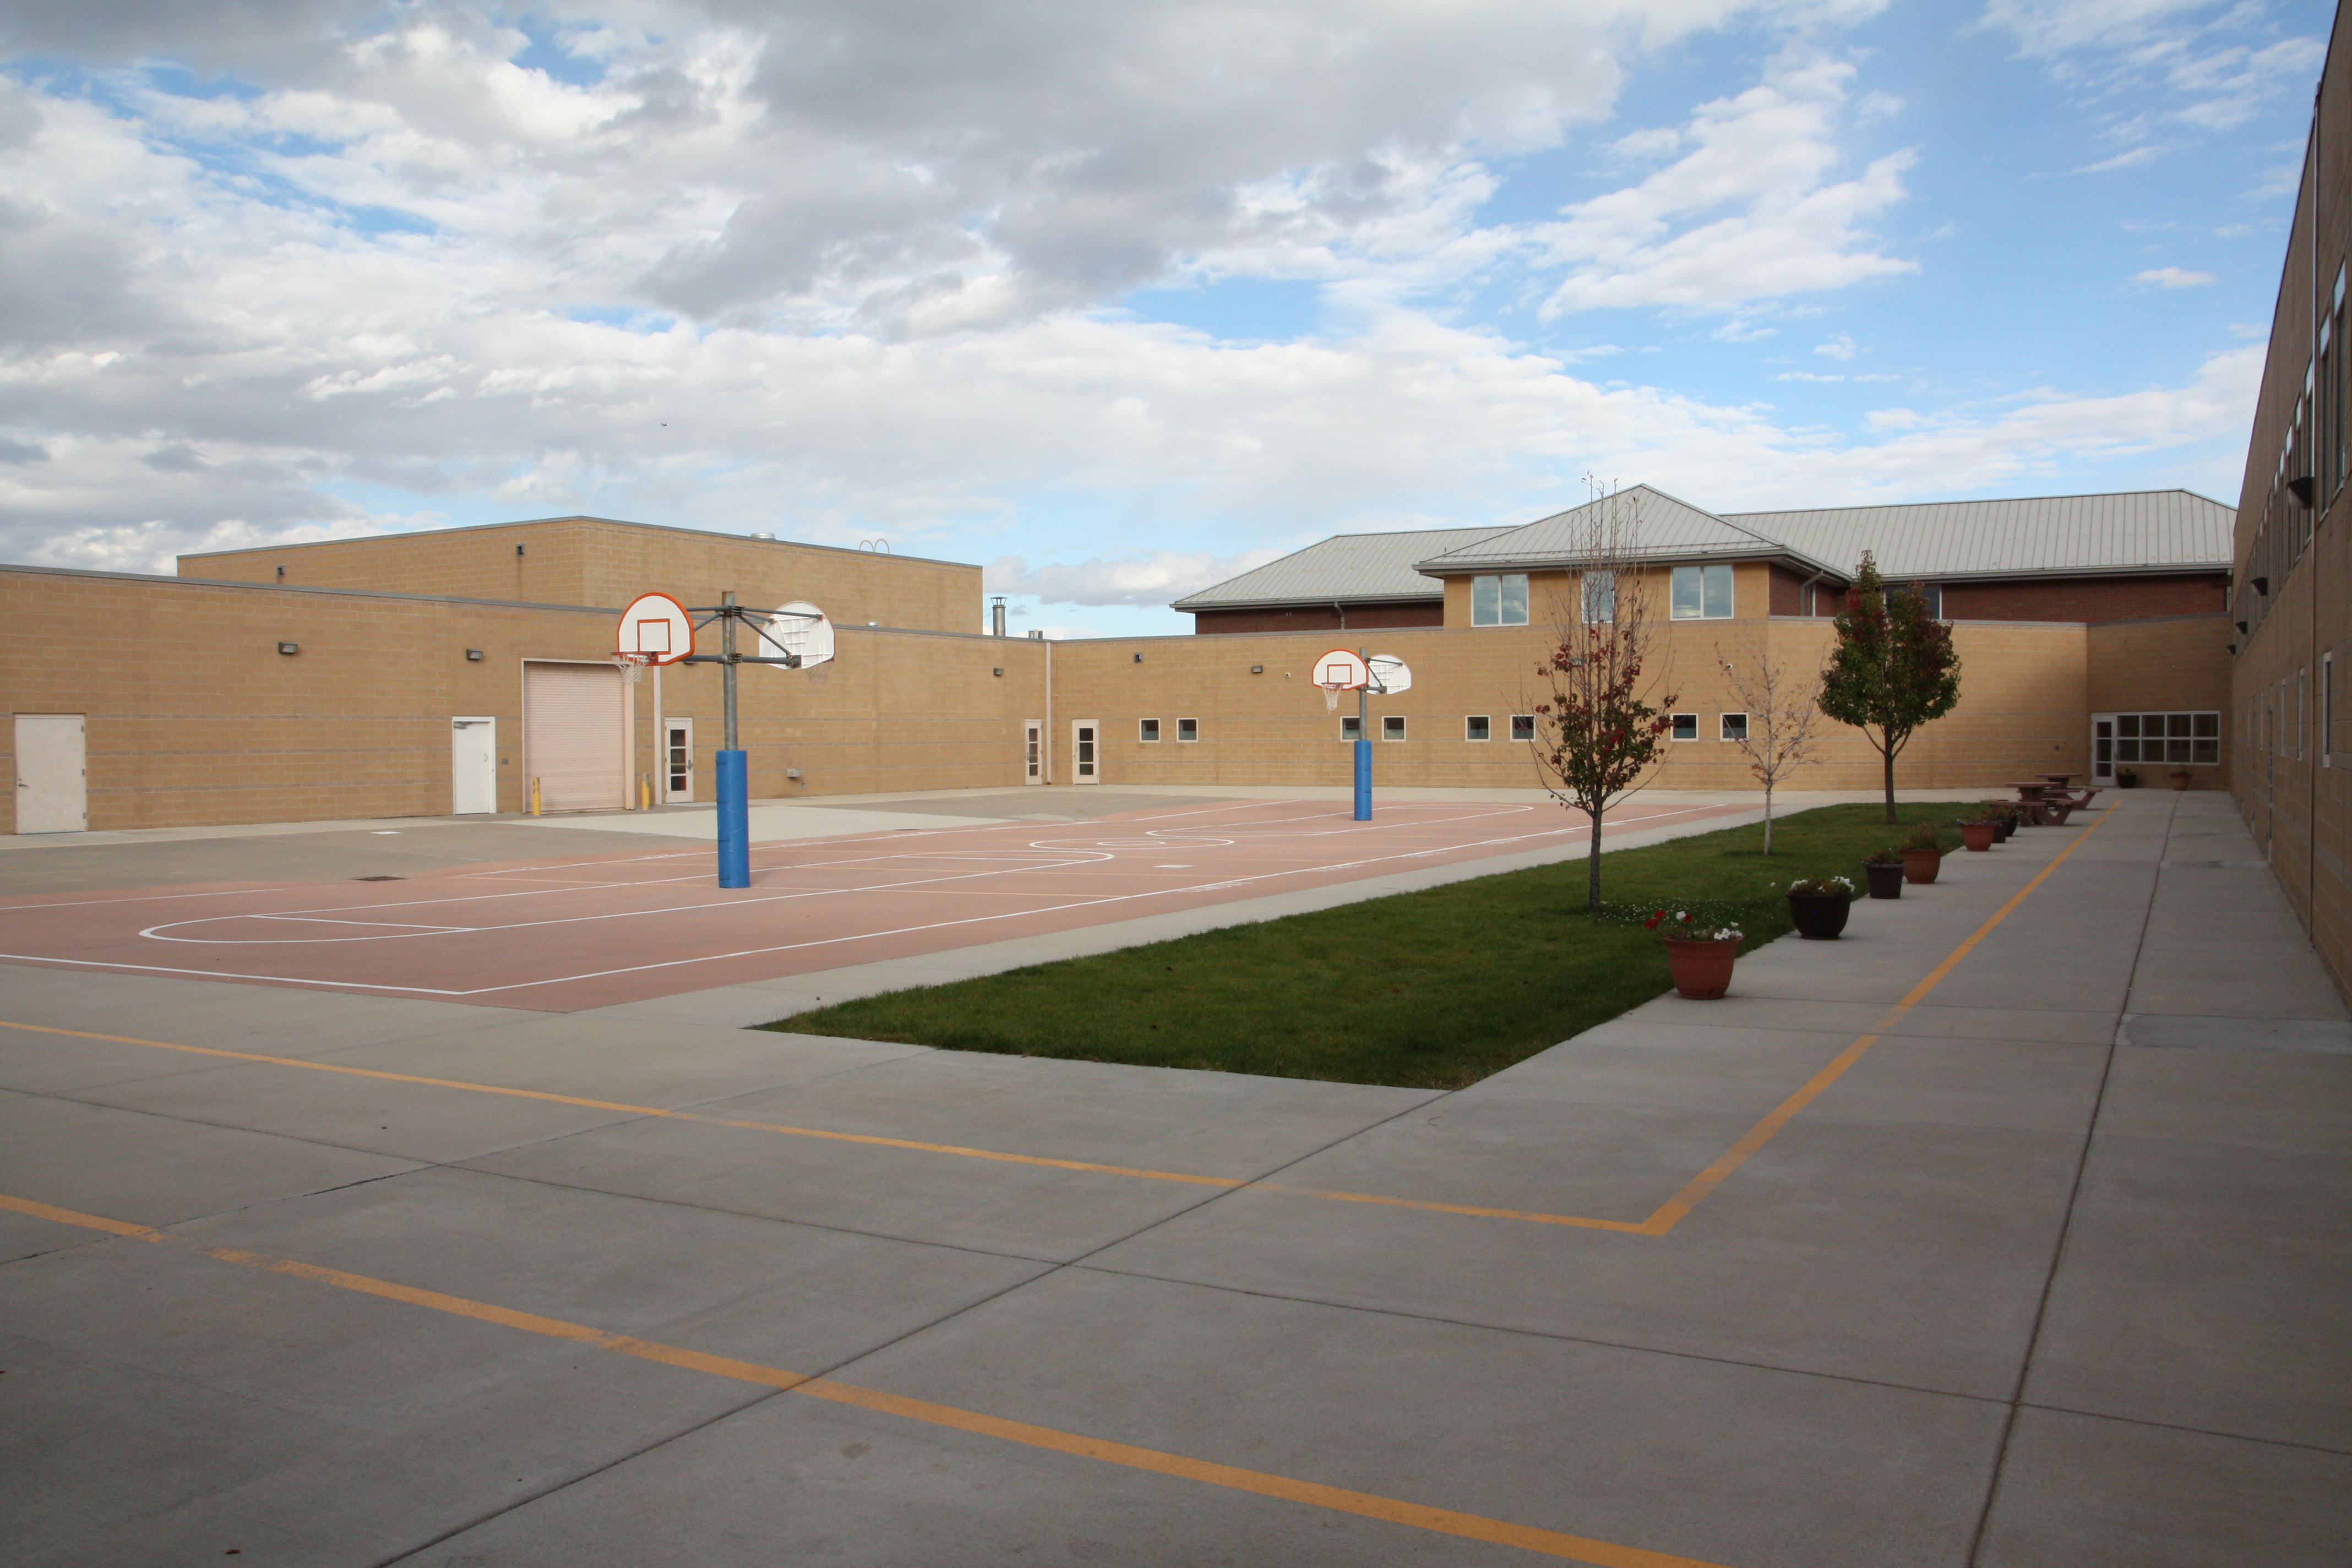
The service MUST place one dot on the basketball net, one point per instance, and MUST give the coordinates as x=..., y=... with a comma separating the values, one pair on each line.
x=632, y=666
x=1330, y=701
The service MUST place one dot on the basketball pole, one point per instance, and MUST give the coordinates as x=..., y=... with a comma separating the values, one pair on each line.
x=734, y=799
x=1363, y=747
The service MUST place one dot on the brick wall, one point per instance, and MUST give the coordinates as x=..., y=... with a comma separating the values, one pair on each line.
x=2087, y=598
x=591, y=561
x=1320, y=618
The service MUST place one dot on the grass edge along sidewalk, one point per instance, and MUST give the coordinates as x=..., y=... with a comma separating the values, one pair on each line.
x=1432, y=989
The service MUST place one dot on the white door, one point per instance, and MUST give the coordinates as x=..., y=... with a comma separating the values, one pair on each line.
x=473, y=766
x=52, y=786
x=677, y=760
x=1032, y=751
x=1083, y=745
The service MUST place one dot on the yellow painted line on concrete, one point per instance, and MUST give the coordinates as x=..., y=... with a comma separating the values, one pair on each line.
x=1666, y=1217
x=1232, y=1477
x=1670, y=1213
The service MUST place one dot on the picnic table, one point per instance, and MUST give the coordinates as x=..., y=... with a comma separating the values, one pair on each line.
x=2035, y=807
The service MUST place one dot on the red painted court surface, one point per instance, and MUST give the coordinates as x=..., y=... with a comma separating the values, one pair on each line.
x=568, y=933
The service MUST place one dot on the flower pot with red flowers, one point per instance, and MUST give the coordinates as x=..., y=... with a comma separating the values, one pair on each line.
x=1923, y=856
x=2002, y=815
x=1818, y=906
x=1884, y=869
x=1978, y=833
x=1699, y=957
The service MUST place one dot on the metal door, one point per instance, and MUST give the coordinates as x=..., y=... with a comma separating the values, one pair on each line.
x=1083, y=746
x=2102, y=748
x=1032, y=752
x=677, y=760
x=473, y=766
x=574, y=742
x=52, y=783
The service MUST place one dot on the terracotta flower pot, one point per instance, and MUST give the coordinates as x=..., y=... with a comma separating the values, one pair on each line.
x=1921, y=865
x=1885, y=881
x=1701, y=966
x=2181, y=778
x=1978, y=835
x=1819, y=916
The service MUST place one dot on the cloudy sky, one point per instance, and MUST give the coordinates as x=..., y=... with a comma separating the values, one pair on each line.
x=1120, y=299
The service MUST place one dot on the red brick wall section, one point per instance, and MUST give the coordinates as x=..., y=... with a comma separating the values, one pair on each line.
x=1318, y=617
x=2087, y=599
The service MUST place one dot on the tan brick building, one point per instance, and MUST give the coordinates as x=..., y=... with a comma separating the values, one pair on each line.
x=396, y=675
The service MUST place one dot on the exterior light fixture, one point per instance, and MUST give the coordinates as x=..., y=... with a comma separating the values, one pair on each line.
x=2241, y=628
x=2261, y=585
x=290, y=649
x=473, y=655
x=2305, y=489
x=1257, y=669
x=1139, y=658
x=998, y=671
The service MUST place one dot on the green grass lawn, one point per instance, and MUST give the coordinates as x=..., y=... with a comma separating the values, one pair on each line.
x=1433, y=989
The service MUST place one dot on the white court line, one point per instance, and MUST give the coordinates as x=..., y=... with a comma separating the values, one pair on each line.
x=826, y=942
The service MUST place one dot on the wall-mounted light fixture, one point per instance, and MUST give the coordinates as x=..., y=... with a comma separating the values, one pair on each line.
x=998, y=671
x=2305, y=489
x=290, y=649
x=517, y=551
x=1257, y=669
x=2261, y=585
x=1139, y=658
x=281, y=573
x=792, y=772
x=2241, y=628
x=2233, y=648
x=473, y=655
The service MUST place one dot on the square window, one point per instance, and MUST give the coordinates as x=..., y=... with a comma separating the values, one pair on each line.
x=2206, y=725
x=1146, y=729
x=1685, y=727
x=1523, y=726
x=1735, y=726
x=1702, y=593
x=1600, y=596
x=1499, y=601
x=1351, y=728
x=1187, y=729
x=1392, y=727
x=2127, y=724
x=1478, y=727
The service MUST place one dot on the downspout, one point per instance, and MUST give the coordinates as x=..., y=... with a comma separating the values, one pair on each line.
x=1343, y=614
x=1049, y=711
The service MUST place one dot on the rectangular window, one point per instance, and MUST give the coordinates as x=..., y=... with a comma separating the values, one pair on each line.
x=1735, y=726
x=1931, y=595
x=1523, y=726
x=1351, y=728
x=1702, y=593
x=1478, y=727
x=1499, y=601
x=1685, y=727
x=1146, y=729
x=1392, y=727
x=1187, y=729
x=2174, y=739
x=1600, y=597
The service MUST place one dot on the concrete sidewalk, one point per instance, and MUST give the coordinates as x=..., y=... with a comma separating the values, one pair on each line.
x=2046, y=1268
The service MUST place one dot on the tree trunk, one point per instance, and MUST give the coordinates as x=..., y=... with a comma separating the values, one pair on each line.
x=1768, y=816
x=1593, y=863
x=1888, y=751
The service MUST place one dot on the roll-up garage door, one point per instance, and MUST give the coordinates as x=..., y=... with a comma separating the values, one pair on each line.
x=571, y=739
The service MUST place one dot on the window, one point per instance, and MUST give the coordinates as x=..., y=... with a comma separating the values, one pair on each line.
x=1523, y=726
x=2191, y=740
x=1392, y=727
x=1500, y=601
x=1702, y=593
x=1685, y=727
x=1600, y=596
x=1478, y=727
x=1734, y=727
x=1930, y=595
x=1351, y=728
x=1146, y=729
x=1187, y=729
x=2302, y=725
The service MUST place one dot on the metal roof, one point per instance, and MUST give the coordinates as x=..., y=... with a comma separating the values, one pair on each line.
x=2143, y=530
x=1348, y=568
x=1659, y=526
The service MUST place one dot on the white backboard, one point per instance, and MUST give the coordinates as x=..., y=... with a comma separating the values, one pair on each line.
x=657, y=625
x=1342, y=669
x=1390, y=675
x=797, y=628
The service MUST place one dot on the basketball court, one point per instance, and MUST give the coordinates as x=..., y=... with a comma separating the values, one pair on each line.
x=569, y=933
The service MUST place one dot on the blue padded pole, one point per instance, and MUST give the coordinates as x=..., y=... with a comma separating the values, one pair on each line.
x=734, y=822
x=1363, y=780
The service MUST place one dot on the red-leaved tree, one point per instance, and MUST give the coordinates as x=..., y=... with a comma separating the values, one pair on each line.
x=1598, y=736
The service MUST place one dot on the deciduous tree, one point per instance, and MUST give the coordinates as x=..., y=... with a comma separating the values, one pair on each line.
x=1783, y=716
x=1894, y=668
x=1597, y=735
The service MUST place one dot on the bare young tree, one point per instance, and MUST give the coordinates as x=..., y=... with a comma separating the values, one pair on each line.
x=1781, y=729
x=1597, y=737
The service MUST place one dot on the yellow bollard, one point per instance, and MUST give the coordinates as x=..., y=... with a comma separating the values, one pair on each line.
x=534, y=794
x=645, y=791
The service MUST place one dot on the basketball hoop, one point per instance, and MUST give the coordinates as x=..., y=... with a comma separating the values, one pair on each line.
x=1341, y=669
x=632, y=667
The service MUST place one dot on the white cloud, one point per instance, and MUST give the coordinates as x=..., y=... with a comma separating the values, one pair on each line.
x=1153, y=577
x=1750, y=213
x=1837, y=346
x=2174, y=277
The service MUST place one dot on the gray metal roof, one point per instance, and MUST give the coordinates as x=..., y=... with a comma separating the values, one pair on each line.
x=1348, y=568
x=1659, y=526
x=2153, y=531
